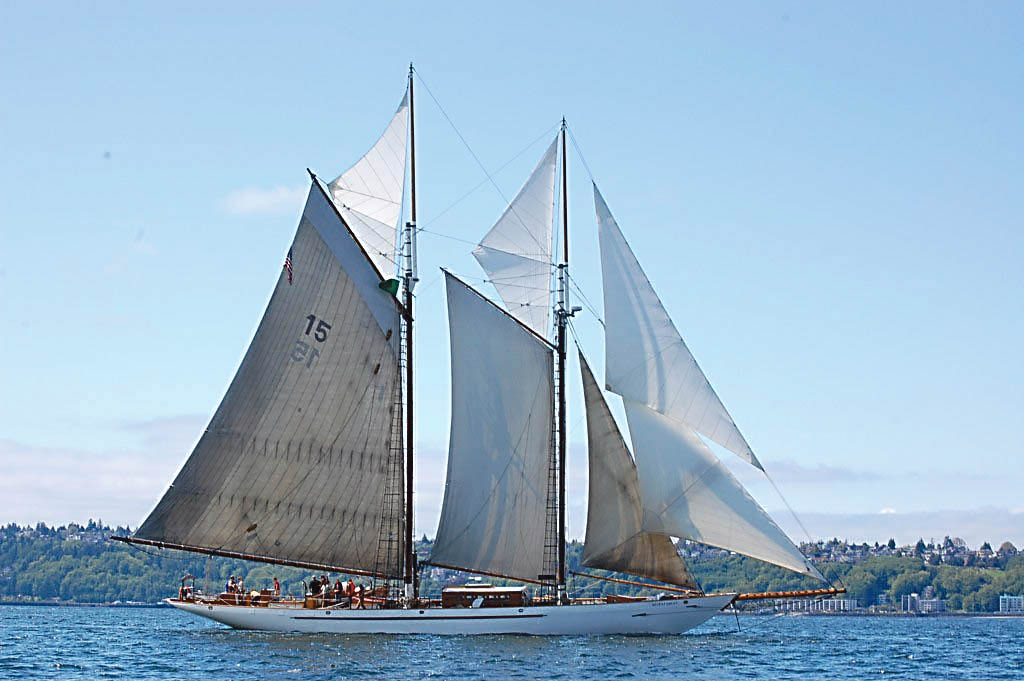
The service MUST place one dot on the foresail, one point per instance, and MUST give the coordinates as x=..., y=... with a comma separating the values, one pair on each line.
x=492, y=519
x=689, y=493
x=615, y=538
x=369, y=194
x=516, y=252
x=294, y=463
x=646, y=360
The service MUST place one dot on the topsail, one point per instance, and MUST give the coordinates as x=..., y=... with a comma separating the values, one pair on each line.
x=516, y=252
x=369, y=194
x=294, y=463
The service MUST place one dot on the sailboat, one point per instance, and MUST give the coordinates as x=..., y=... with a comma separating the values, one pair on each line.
x=308, y=460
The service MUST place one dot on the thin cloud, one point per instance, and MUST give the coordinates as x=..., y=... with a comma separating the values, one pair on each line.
x=171, y=432
x=260, y=201
x=789, y=473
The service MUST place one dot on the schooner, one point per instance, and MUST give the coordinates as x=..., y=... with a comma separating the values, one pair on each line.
x=308, y=460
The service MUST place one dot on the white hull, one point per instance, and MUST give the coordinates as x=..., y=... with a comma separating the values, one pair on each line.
x=644, y=617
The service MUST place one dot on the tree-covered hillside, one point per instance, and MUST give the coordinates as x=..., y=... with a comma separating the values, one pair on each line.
x=78, y=563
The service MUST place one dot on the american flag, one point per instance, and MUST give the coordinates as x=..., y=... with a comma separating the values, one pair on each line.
x=288, y=265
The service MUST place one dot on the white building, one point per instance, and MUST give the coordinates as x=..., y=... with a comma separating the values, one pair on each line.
x=816, y=605
x=928, y=605
x=1011, y=604
x=910, y=603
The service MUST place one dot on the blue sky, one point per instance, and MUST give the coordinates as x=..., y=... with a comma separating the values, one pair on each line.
x=826, y=196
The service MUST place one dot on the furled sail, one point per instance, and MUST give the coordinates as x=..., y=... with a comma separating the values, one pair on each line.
x=516, y=252
x=689, y=493
x=615, y=538
x=369, y=194
x=646, y=359
x=492, y=519
x=294, y=463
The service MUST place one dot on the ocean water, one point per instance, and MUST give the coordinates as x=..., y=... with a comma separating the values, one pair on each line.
x=115, y=643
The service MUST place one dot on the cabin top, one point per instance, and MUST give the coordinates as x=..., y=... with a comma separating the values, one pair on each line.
x=478, y=588
x=478, y=595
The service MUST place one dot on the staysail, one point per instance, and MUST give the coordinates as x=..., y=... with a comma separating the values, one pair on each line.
x=689, y=493
x=294, y=463
x=369, y=194
x=615, y=537
x=492, y=518
x=646, y=360
x=516, y=252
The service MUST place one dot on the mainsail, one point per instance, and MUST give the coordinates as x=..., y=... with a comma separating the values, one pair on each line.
x=615, y=536
x=516, y=252
x=646, y=360
x=294, y=463
x=689, y=493
x=369, y=194
x=493, y=515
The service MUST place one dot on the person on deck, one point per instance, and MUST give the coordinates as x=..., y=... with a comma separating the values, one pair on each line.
x=230, y=586
x=314, y=586
x=350, y=588
x=277, y=588
x=339, y=590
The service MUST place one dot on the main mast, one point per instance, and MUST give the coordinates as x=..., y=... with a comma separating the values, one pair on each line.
x=409, y=281
x=562, y=315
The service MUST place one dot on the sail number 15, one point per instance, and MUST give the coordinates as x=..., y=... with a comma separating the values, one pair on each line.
x=303, y=351
x=322, y=328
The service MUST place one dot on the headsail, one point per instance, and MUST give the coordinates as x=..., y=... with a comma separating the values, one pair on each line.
x=615, y=538
x=689, y=493
x=516, y=252
x=493, y=515
x=293, y=464
x=646, y=359
x=369, y=194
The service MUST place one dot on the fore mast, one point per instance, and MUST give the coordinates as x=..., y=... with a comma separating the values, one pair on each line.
x=409, y=281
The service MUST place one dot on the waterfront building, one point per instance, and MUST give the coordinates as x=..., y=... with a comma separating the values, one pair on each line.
x=931, y=605
x=910, y=603
x=1011, y=604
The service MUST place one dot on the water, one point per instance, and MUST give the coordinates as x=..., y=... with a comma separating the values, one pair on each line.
x=112, y=643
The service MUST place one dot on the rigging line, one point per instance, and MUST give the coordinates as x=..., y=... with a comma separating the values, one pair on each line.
x=353, y=191
x=576, y=146
x=795, y=516
x=485, y=180
x=590, y=307
x=445, y=236
x=475, y=157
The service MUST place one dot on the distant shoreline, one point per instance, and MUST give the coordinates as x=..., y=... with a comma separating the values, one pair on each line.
x=900, y=615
